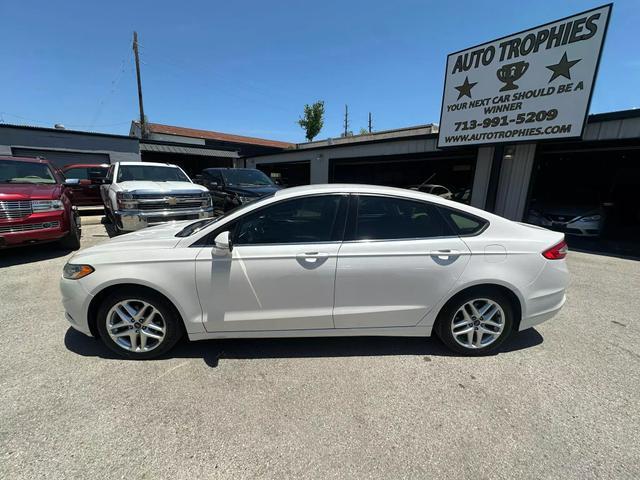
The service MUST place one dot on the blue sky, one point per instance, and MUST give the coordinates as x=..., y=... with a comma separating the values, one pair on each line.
x=248, y=67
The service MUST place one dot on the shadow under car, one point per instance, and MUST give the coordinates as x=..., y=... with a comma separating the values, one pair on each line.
x=212, y=351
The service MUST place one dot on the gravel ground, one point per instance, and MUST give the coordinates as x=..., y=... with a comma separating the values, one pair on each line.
x=560, y=401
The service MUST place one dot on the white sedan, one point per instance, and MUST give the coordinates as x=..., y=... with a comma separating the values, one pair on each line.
x=320, y=260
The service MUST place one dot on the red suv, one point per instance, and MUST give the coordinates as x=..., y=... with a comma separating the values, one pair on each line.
x=35, y=205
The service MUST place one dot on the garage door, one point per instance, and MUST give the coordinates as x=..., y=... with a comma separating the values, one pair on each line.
x=60, y=159
x=445, y=175
x=288, y=174
x=589, y=190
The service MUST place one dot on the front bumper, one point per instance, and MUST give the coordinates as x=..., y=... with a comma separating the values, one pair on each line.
x=131, y=220
x=76, y=300
x=36, y=228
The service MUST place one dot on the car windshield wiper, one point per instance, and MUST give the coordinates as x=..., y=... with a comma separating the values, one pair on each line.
x=196, y=226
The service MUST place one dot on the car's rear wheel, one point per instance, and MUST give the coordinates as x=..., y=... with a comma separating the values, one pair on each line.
x=138, y=324
x=476, y=322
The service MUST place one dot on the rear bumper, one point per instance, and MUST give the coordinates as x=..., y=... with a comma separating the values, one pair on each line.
x=36, y=228
x=546, y=294
x=135, y=220
x=538, y=318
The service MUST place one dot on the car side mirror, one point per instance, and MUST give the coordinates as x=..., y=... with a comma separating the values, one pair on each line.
x=222, y=243
x=72, y=182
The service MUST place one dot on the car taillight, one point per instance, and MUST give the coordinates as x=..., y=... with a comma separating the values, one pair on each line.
x=557, y=252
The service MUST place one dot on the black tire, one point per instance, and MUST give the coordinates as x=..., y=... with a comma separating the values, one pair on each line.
x=112, y=230
x=447, y=315
x=174, y=328
x=110, y=224
x=71, y=241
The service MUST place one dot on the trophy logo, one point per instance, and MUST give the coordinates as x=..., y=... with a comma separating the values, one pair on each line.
x=511, y=72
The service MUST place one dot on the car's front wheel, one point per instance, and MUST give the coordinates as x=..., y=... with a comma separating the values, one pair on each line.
x=138, y=324
x=71, y=241
x=477, y=322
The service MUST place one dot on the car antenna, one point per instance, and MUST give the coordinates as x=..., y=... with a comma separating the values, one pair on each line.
x=426, y=181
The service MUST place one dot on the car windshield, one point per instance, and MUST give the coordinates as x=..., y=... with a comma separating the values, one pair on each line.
x=198, y=225
x=15, y=171
x=151, y=173
x=246, y=178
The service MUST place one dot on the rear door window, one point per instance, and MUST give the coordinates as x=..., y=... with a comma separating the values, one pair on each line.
x=391, y=218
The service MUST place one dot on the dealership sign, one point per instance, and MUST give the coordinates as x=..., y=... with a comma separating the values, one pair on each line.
x=528, y=86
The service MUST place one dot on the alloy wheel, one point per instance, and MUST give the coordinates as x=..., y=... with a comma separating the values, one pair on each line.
x=478, y=323
x=136, y=325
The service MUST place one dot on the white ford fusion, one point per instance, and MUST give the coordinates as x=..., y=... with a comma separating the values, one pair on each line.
x=320, y=260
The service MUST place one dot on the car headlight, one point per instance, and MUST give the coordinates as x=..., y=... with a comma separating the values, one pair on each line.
x=126, y=201
x=75, y=272
x=206, y=200
x=46, y=205
x=591, y=218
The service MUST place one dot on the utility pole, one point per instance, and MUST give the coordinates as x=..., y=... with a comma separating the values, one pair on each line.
x=369, y=122
x=143, y=126
x=346, y=120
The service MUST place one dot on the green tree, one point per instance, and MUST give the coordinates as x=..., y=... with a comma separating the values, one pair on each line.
x=312, y=121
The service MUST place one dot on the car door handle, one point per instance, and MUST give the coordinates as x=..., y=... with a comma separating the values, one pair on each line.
x=445, y=253
x=312, y=255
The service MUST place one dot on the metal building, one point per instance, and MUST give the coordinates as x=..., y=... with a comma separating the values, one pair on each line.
x=65, y=147
x=602, y=170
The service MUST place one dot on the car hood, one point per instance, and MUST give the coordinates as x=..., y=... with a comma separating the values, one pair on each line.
x=158, y=237
x=139, y=186
x=29, y=191
x=257, y=191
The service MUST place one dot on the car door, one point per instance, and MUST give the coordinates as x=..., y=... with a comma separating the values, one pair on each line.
x=97, y=177
x=280, y=272
x=399, y=258
x=104, y=188
x=218, y=195
x=77, y=193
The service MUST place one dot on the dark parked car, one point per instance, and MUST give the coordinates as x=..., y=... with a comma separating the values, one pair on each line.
x=91, y=176
x=231, y=187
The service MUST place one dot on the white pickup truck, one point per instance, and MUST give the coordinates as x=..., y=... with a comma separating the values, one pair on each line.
x=139, y=194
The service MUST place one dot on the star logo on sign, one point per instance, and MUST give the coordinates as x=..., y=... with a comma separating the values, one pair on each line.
x=465, y=88
x=562, y=68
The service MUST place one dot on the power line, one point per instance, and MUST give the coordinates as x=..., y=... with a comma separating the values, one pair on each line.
x=182, y=63
x=124, y=66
